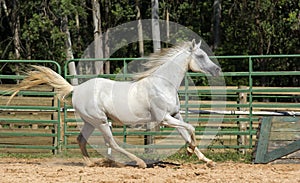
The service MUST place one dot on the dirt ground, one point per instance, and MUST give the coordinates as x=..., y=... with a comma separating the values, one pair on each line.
x=73, y=170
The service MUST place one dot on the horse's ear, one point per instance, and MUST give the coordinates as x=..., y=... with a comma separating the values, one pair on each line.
x=193, y=44
x=200, y=43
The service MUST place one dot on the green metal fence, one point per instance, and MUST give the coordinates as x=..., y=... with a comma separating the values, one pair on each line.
x=25, y=124
x=238, y=119
x=223, y=121
x=254, y=109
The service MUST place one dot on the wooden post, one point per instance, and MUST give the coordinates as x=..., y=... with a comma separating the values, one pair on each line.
x=35, y=126
x=150, y=139
x=242, y=99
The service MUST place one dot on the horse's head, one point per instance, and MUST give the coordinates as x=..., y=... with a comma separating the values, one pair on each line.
x=200, y=61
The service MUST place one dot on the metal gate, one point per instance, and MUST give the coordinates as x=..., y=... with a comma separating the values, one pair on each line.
x=33, y=119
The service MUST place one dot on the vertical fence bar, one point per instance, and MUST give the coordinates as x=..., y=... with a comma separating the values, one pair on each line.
x=242, y=99
x=65, y=124
x=125, y=69
x=124, y=134
x=59, y=140
x=250, y=100
x=186, y=96
x=59, y=122
x=124, y=78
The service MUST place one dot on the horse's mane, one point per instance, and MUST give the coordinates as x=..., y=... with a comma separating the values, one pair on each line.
x=155, y=60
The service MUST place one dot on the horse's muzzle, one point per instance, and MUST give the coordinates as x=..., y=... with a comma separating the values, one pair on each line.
x=217, y=71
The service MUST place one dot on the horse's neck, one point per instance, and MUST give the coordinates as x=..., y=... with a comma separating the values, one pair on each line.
x=172, y=72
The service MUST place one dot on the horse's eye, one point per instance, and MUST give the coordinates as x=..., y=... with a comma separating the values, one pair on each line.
x=199, y=55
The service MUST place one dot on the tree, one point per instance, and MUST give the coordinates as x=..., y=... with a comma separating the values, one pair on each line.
x=260, y=27
x=34, y=29
x=12, y=13
x=106, y=39
x=98, y=40
x=216, y=23
x=155, y=26
x=140, y=29
x=69, y=52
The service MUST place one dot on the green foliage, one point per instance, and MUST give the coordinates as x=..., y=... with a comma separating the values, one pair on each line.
x=122, y=11
x=246, y=28
x=259, y=27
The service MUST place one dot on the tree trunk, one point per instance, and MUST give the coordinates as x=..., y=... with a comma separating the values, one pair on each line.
x=69, y=52
x=155, y=26
x=98, y=43
x=168, y=26
x=15, y=26
x=216, y=24
x=106, y=38
x=17, y=38
x=107, y=52
x=4, y=7
x=140, y=29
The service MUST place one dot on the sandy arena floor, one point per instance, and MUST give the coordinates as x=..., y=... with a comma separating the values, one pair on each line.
x=73, y=170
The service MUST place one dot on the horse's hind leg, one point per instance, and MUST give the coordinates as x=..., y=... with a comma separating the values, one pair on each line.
x=107, y=134
x=82, y=138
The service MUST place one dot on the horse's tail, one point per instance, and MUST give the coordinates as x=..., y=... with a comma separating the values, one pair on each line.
x=44, y=75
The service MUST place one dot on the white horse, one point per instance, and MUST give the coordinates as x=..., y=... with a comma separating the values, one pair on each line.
x=151, y=97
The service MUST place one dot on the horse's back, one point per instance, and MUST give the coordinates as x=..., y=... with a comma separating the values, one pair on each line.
x=125, y=102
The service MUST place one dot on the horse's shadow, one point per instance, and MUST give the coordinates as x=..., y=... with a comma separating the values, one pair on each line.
x=110, y=163
x=154, y=163
x=72, y=164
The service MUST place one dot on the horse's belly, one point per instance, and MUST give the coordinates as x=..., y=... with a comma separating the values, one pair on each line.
x=129, y=120
x=127, y=114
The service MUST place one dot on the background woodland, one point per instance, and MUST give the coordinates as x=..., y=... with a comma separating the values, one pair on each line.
x=62, y=29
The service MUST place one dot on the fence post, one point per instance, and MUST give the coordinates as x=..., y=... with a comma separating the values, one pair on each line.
x=242, y=125
x=55, y=116
x=149, y=139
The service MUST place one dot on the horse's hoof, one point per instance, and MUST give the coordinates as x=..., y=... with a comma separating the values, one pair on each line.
x=189, y=151
x=141, y=164
x=211, y=164
x=90, y=164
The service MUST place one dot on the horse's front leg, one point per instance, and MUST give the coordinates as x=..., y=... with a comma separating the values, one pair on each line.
x=187, y=131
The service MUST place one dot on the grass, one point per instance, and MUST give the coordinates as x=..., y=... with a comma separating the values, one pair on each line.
x=215, y=155
x=26, y=155
x=181, y=156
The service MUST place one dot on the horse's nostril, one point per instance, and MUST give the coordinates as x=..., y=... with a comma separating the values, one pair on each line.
x=218, y=71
